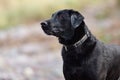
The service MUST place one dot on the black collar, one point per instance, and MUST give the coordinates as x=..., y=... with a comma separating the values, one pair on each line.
x=78, y=43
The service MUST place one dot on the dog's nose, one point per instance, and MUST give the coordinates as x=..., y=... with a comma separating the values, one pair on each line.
x=44, y=23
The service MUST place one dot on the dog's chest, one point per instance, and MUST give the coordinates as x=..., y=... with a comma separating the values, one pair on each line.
x=79, y=71
x=78, y=66
x=75, y=59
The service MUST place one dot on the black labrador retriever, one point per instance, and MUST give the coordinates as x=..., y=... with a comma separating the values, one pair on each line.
x=84, y=57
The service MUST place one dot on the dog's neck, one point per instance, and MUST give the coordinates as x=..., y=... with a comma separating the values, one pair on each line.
x=80, y=32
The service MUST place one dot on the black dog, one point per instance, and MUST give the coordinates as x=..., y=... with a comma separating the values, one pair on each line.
x=84, y=57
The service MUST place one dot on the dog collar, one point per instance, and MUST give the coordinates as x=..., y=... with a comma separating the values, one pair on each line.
x=80, y=42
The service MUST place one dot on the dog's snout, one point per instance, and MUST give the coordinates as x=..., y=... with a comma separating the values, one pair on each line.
x=44, y=23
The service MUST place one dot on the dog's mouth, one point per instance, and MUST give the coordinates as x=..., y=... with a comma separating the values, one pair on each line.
x=51, y=31
x=47, y=31
x=46, y=28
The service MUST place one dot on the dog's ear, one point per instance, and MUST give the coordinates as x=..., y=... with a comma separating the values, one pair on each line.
x=76, y=19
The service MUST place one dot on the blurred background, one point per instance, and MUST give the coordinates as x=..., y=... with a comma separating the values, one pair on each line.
x=26, y=53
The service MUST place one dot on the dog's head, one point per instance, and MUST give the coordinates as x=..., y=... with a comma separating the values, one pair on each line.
x=62, y=23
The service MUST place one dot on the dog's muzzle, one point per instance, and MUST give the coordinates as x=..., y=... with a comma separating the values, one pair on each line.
x=46, y=28
x=44, y=25
x=50, y=30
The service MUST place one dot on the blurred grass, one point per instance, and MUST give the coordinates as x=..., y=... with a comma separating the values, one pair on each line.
x=13, y=12
x=103, y=14
x=104, y=37
x=118, y=2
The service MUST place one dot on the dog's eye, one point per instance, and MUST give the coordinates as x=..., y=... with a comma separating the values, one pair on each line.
x=61, y=16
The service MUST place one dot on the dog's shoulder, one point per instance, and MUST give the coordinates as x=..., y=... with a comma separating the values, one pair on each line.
x=108, y=53
x=113, y=49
